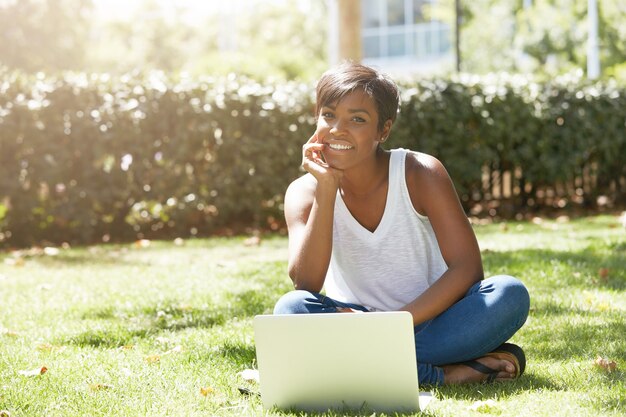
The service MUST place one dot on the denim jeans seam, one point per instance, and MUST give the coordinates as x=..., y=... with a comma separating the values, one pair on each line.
x=483, y=350
x=426, y=326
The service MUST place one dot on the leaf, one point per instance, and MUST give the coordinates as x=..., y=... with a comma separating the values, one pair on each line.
x=34, y=372
x=4, y=413
x=9, y=333
x=250, y=375
x=47, y=347
x=605, y=363
x=486, y=406
x=153, y=358
x=205, y=391
x=100, y=387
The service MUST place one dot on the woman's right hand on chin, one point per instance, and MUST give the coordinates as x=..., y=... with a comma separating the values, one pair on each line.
x=313, y=162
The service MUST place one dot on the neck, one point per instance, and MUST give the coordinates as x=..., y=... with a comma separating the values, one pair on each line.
x=368, y=177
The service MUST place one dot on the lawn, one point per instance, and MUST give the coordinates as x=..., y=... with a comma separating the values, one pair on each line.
x=164, y=328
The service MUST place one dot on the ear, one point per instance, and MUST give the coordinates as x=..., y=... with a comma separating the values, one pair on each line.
x=384, y=134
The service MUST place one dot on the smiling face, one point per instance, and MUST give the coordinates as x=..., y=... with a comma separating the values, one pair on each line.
x=349, y=130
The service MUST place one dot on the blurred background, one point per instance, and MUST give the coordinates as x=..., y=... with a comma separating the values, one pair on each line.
x=297, y=39
x=282, y=38
x=133, y=119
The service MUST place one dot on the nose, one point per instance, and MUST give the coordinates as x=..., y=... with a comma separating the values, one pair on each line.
x=337, y=128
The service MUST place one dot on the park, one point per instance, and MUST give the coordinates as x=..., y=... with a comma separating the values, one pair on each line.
x=143, y=173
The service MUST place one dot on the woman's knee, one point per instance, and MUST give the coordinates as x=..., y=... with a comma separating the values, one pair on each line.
x=294, y=302
x=514, y=295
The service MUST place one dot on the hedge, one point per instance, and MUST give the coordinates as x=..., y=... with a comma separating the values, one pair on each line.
x=86, y=158
x=564, y=139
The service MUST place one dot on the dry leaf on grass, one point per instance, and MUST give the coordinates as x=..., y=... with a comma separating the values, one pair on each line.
x=99, y=387
x=153, y=358
x=4, y=413
x=605, y=364
x=205, y=391
x=9, y=333
x=47, y=347
x=34, y=372
x=486, y=406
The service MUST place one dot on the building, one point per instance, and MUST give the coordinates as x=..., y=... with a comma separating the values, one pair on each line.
x=394, y=35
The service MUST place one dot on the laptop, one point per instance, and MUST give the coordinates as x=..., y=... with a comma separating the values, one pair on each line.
x=338, y=361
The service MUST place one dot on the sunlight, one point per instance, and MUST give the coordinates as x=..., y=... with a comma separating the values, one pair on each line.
x=190, y=11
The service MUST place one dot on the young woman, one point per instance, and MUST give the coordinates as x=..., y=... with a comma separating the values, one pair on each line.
x=384, y=230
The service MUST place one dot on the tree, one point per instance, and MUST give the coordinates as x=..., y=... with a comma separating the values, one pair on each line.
x=549, y=37
x=44, y=35
x=285, y=40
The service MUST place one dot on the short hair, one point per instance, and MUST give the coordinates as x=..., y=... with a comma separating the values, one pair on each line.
x=338, y=82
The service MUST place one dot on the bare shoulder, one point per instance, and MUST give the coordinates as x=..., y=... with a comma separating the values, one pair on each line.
x=302, y=186
x=299, y=197
x=428, y=182
x=424, y=170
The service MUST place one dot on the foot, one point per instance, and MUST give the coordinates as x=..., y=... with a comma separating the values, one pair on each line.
x=462, y=374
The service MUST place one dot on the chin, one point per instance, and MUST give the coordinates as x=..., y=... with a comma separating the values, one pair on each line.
x=334, y=162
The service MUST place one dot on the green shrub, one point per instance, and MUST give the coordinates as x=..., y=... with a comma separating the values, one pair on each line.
x=565, y=138
x=89, y=157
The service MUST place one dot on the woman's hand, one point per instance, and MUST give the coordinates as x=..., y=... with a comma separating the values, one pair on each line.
x=313, y=162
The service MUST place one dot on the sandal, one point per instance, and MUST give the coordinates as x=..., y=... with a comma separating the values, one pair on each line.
x=506, y=351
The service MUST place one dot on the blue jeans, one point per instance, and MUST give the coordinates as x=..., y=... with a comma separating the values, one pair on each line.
x=488, y=315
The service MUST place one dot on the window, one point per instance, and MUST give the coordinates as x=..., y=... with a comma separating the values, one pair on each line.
x=401, y=29
x=418, y=10
x=369, y=13
x=395, y=13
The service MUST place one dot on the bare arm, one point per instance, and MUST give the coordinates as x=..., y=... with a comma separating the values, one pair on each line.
x=459, y=247
x=309, y=208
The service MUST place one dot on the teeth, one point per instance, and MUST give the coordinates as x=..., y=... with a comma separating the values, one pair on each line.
x=339, y=147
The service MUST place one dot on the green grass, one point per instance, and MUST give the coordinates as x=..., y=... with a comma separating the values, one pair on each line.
x=97, y=317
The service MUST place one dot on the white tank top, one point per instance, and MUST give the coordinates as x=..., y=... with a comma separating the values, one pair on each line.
x=390, y=267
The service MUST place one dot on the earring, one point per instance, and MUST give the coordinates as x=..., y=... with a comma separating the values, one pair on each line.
x=382, y=139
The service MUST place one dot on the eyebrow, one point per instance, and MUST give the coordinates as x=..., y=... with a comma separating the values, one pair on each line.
x=332, y=107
